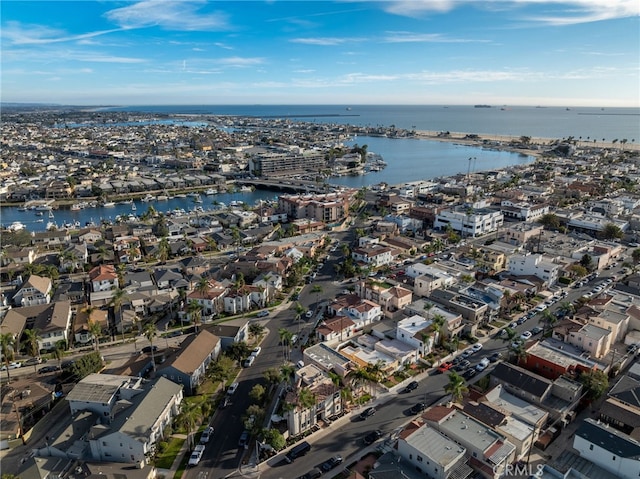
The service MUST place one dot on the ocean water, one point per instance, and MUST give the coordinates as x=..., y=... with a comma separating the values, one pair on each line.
x=541, y=122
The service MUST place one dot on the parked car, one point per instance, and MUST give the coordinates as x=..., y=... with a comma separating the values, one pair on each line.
x=48, y=369
x=148, y=349
x=526, y=335
x=262, y=314
x=244, y=439
x=256, y=351
x=232, y=389
x=297, y=451
x=476, y=347
x=32, y=361
x=469, y=373
x=314, y=473
x=372, y=437
x=196, y=455
x=370, y=411
x=206, y=435
x=331, y=463
x=495, y=357
x=308, y=314
x=248, y=362
x=462, y=365
x=536, y=330
x=12, y=365
x=482, y=365
x=418, y=408
x=411, y=386
x=444, y=367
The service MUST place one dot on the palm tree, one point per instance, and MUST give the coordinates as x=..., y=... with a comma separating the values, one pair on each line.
x=306, y=398
x=519, y=352
x=117, y=300
x=33, y=337
x=150, y=331
x=58, y=351
x=456, y=387
x=285, y=339
x=194, y=309
x=299, y=310
x=96, y=332
x=187, y=418
x=7, y=344
x=549, y=320
x=287, y=371
x=164, y=250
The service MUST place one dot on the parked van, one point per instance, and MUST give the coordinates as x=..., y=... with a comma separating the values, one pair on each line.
x=299, y=450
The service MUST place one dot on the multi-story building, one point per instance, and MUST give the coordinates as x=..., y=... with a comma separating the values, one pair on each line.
x=329, y=207
x=469, y=222
x=534, y=265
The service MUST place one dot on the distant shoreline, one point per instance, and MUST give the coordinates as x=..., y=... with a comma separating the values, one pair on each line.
x=505, y=140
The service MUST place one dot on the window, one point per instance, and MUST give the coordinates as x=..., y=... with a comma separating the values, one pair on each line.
x=419, y=458
x=591, y=447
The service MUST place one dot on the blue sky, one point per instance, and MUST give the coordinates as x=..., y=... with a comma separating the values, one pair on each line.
x=514, y=52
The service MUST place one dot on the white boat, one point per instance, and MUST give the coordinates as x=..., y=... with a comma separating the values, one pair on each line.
x=133, y=207
x=40, y=221
x=22, y=208
x=181, y=196
x=43, y=208
x=16, y=226
x=246, y=189
x=76, y=207
x=108, y=204
x=163, y=197
x=211, y=192
x=148, y=198
x=51, y=225
x=50, y=213
x=39, y=213
x=197, y=199
x=194, y=195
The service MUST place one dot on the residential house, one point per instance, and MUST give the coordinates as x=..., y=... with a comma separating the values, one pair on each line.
x=211, y=301
x=608, y=448
x=336, y=329
x=51, y=238
x=229, y=332
x=245, y=298
x=103, y=278
x=74, y=258
x=187, y=365
x=17, y=256
x=621, y=409
x=328, y=401
x=488, y=452
x=417, y=332
x=52, y=321
x=36, y=290
x=373, y=256
x=432, y=453
x=536, y=265
x=552, y=358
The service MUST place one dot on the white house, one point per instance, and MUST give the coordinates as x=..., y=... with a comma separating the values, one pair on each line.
x=374, y=255
x=414, y=331
x=608, y=448
x=431, y=453
x=470, y=221
x=534, y=265
x=36, y=290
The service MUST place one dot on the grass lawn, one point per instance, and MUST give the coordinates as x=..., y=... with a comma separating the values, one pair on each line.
x=165, y=460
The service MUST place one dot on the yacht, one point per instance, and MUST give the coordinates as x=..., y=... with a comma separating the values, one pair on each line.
x=108, y=204
x=211, y=192
x=197, y=199
x=76, y=207
x=16, y=226
x=43, y=208
x=148, y=198
x=133, y=207
x=246, y=189
x=39, y=213
x=23, y=208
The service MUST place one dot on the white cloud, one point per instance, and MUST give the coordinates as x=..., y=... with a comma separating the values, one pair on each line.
x=16, y=33
x=239, y=61
x=411, y=37
x=322, y=41
x=169, y=15
x=569, y=11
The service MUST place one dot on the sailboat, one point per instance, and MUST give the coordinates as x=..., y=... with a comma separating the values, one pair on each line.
x=133, y=207
x=51, y=214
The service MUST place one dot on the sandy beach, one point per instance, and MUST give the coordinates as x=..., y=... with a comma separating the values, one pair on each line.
x=504, y=142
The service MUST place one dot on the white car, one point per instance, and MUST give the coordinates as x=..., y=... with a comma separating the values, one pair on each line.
x=232, y=389
x=476, y=347
x=526, y=335
x=249, y=361
x=196, y=455
x=308, y=314
x=12, y=365
x=256, y=351
x=206, y=435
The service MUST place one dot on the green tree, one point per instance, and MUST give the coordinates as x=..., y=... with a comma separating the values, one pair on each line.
x=32, y=338
x=118, y=299
x=595, y=383
x=586, y=261
x=253, y=418
x=150, y=331
x=317, y=289
x=274, y=439
x=194, y=308
x=611, y=231
x=285, y=339
x=272, y=375
x=550, y=221
x=222, y=369
x=256, y=329
x=257, y=393
x=238, y=351
x=188, y=419
x=635, y=255
x=456, y=387
x=7, y=345
x=306, y=398
x=88, y=364
x=549, y=319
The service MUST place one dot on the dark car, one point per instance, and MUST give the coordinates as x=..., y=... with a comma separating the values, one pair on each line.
x=314, y=473
x=48, y=369
x=370, y=411
x=244, y=439
x=418, y=408
x=148, y=349
x=536, y=330
x=372, y=437
x=331, y=463
x=469, y=373
x=411, y=386
x=462, y=365
x=495, y=357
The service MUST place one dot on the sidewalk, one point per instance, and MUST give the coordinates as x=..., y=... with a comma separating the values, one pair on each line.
x=170, y=473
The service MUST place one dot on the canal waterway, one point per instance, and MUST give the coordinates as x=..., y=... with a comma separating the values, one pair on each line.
x=407, y=160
